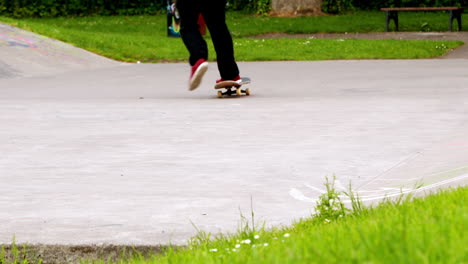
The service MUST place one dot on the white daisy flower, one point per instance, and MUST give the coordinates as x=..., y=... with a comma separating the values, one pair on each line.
x=247, y=241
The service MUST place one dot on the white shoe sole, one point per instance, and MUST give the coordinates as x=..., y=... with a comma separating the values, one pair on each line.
x=197, y=77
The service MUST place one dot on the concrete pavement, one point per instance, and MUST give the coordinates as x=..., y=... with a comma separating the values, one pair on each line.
x=124, y=154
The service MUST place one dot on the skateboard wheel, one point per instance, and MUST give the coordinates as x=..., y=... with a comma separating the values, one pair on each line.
x=239, y=92
x=247, y=91
x=220, y=94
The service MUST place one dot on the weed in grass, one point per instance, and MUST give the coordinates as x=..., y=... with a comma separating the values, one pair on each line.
x=200, y=238
x=2, y=255
x=425, y=27
x=248, y=234
x=356, y=203
x=14, y=255
x=248, y=228
x=329, y=206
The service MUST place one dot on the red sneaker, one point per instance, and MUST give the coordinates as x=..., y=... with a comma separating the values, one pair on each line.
x=235, y=79
x=196, y=76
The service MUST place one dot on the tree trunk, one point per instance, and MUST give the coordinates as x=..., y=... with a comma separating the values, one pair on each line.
x=296, y=7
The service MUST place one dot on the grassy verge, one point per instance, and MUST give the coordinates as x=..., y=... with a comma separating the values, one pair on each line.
x=143, y=38
x=409, y=230
x=332, y=49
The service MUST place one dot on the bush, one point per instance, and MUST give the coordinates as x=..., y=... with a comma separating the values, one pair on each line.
x=53, y=8
x=336, y=6
x=237, y=5
x=260, y=7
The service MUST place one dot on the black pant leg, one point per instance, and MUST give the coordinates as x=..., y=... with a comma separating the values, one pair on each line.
x=214, y=13
x=193, y=40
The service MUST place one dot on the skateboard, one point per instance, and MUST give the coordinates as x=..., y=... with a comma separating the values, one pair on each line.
x=233, y=87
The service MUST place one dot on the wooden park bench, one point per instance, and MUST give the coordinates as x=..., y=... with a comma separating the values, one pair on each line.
x=391, y=13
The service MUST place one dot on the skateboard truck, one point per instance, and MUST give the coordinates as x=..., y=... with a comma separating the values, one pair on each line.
x=233, y=87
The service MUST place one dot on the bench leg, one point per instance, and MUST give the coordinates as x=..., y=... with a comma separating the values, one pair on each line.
x=387, y=20
x=455, y=14
x=391, y=15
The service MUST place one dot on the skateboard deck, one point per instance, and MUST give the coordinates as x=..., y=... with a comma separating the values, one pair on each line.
x=233, y=87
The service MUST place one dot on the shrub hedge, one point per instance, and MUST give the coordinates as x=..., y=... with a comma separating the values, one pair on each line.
x=52, y=8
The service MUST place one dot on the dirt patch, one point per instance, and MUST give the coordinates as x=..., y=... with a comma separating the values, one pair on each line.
x=58, y=254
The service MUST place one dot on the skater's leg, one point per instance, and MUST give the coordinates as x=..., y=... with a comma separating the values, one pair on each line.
x=214, y=13
x=193, y=40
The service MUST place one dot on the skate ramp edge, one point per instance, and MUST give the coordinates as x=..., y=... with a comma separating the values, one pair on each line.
x=26, y=54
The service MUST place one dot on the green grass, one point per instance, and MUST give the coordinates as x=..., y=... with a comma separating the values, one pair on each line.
x=327, y=49
x=423, y=230
x=243, y=25
x=143, y=38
